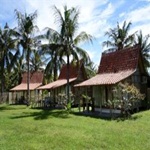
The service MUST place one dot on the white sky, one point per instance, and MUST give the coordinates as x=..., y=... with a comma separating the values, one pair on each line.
x=96, y=16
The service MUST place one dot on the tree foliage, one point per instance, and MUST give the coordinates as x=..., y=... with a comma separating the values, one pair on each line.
x=119, y=37
x=143, y=42
x=130, y=98
x=8, y=53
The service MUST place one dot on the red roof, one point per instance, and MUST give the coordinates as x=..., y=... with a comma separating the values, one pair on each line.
x=56, y=84
x=73, y=71
x=23, y=86
x=115, y=67
x=35, y=77
x=126, y=59
x=107, y=78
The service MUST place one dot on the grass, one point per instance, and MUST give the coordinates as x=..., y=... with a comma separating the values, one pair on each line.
x=22, y=128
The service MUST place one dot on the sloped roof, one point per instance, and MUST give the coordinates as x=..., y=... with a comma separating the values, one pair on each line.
x=73, y=71
x=36, y=79
x=56, y=84
x=107, y=78
x=115, y=67
x=23, y=86
x=126, y=59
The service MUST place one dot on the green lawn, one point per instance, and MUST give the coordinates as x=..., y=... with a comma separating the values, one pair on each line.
x=22, y=128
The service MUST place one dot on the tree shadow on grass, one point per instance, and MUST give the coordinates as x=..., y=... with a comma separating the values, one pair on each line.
x=44, y=114
x=135, y=117
x=107, y=116
x=8, y=107
x=2, y=108
x=93, y=115
x=132, y=118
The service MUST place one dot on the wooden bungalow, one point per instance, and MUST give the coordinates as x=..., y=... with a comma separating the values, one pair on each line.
x=19, y=92
x=124, y=65
x=58, y=89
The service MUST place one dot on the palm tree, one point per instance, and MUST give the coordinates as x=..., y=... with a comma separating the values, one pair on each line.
x=119, y=37
x=90, y=69
x=68, y=43
x=18, y=69
x=55, y=64
x=8, y=52
x=143, y=42
x=25, y=32
x=36, y=61
x=54, y=61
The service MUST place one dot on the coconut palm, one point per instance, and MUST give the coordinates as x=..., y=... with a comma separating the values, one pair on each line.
x=36, y=60
x=8, y=52
x=143, y=42
x=26, y=32
x=119, y=37
x=68, y=44
x=50, y=50
x=55, y=63
x=90, y=69
x=18, y=69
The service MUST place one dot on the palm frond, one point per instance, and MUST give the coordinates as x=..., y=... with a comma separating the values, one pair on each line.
x=82, y=54
x=83, y=37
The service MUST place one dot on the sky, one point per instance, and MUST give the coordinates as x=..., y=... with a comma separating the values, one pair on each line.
x=96, y=17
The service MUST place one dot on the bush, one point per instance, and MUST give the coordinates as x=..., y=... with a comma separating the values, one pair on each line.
x=131, y=98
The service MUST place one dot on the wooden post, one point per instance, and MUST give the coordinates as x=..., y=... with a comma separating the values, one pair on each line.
x=93, y=104
x=87, y=102
x=101, y=100
x=79, y=101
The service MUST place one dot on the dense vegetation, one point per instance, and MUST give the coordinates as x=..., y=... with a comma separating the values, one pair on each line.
x=22, y=48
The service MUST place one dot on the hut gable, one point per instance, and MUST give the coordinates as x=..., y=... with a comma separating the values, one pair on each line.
x=35, y=77
x=76, y=70
x=126, y=59
x=73, y=71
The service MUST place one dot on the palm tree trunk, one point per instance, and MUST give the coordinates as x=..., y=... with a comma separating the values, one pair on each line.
x=55, y=71
x=2, y=79
x=68, y=74
x=28, y=78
